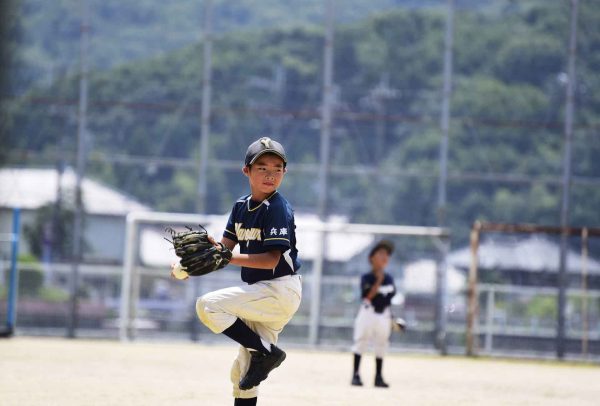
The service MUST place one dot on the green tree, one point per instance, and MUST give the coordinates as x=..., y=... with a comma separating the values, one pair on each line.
x=50, y=236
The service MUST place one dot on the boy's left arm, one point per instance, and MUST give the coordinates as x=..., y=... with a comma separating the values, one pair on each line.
x=265, y=260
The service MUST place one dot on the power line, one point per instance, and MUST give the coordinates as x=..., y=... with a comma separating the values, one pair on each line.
x=194, y=109
x=313, y=168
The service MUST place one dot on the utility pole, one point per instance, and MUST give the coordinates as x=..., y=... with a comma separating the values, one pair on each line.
x=445, y=117
x=326, y=113
x=206, y=109
x=202, y=202
x=326, y=120
x=79, y=175
x=441, y=273
x=566, y=183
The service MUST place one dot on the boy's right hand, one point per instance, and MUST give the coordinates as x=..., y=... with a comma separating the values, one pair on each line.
x=178, y=272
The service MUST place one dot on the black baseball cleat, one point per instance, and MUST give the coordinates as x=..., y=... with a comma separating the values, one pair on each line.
x=356, y=380
x=260, y=366
x=380, y=383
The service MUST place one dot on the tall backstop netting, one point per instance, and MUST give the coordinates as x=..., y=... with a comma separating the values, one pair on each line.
x=333, y=256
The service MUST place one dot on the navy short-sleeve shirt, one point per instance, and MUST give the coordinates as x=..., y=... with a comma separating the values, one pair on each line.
x=385, y=293
x=260, y=227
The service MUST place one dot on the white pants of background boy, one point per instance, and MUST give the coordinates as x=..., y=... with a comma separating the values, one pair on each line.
x=266, y=307
x=371, y=327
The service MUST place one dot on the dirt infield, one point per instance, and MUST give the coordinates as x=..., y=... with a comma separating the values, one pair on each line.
x=82, y=372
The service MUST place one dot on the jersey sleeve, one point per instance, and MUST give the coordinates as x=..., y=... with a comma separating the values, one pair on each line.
x=229, y=231
x=391, y=282
x=365, y=286
x=277, y=229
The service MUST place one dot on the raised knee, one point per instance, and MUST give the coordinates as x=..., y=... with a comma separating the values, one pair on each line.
x=201, y=309
x=211, y=313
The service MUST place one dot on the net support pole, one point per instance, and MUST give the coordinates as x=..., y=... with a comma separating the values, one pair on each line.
x=566, y=186
x=445, y=117
x=326, y=123
x=204, y=141
x=204, y=144
x=584, y=293
x=125, y=323
x=441, y=293
x=472, y=305
x=77, y=251
x=441, y=274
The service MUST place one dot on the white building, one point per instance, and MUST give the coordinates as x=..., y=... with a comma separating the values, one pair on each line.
x=105, y=208
x=531, y=254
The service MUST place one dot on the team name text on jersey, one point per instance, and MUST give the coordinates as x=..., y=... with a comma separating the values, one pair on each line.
x=247, y=234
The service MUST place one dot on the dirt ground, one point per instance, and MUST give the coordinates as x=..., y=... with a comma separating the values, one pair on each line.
x=41, y=371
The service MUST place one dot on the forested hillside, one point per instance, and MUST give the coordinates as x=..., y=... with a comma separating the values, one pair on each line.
x=506, y=128
x=126, y=30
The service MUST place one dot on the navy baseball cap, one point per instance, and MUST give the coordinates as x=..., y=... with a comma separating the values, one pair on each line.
x=383, y=244
x=262, y=146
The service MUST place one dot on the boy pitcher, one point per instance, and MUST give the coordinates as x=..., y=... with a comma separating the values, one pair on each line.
x=262, y=223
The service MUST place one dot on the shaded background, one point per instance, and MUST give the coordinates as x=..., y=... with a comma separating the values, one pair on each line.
x=506, y=132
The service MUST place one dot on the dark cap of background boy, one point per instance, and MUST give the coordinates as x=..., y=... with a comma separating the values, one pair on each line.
x=383, y=244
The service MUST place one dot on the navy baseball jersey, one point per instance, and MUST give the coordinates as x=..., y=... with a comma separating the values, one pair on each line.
x=260, y=227
x=386, y=292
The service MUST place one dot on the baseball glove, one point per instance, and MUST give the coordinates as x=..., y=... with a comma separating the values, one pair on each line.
x=398, y=324
x=199, y=254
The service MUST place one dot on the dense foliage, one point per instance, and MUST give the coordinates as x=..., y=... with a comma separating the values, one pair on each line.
x=128, y=30
x=507, y=115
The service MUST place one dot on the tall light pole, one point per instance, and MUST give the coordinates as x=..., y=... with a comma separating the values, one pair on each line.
x=326, y=120
x=445, y=116
x=206, y=100
x=441, y=274
x=566, y=182
x=202, y=202
x=79, y=174
x=326, y=113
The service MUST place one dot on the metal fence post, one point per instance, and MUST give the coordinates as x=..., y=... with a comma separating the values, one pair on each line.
x=489, y=319
x=472, y=308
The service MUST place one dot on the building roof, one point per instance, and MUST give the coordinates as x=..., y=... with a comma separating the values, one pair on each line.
x=420, y=277
x=28, y=188
x=533, y=254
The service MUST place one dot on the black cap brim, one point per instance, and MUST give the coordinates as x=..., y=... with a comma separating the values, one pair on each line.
x=263, y=152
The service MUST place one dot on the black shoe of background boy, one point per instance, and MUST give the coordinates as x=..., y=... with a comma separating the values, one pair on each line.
x=380, y=383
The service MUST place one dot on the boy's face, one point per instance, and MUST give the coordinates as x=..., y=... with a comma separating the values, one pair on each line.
x=380, y=259
x=265, y=175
